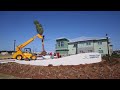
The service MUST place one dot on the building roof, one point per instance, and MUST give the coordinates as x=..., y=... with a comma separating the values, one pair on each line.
x=84, y=39
x=61, y=38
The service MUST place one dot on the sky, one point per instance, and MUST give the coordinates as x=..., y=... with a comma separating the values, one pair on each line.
x=19, y=26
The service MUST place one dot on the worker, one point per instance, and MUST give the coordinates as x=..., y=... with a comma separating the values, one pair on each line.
x=51, y=54
x=54, y=54
x=58, y=55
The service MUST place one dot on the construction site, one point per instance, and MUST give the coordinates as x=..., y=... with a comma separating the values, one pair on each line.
x=24, y=64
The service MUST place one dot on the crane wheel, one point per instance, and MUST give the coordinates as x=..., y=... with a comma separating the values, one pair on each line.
x=19, y=57
x=33, y=57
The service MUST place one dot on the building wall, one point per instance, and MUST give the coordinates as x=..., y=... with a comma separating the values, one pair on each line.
x=86, y=46
x=83, y=47
x=111, y=49
x=63, y=50
x=62, y=47
x=94, y=46
x=72, y=49
x=85, y=50
x=101, y=48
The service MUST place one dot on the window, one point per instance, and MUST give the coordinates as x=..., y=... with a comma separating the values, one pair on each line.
x=88, y=43
x=100, y=43
x=89, y=50
x=81, y=42
x=74, y=45
x=62, y=44
x=80, y=51
x=59, y=44
x=100, y=51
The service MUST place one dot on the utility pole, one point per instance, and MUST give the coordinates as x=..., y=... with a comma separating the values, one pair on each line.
x=43, y=44
x=76, y=45
x=93, y=45
x=14, y=44
x=108, y=46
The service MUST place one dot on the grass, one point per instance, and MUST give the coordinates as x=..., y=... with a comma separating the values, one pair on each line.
x=5, y=56
x=4, y=76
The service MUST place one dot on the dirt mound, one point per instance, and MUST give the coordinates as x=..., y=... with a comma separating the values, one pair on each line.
x=102, y=70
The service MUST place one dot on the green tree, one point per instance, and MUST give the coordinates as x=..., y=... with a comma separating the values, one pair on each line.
x=38, y=27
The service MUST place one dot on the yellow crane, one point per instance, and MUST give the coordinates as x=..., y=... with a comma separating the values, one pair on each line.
x=19, y=54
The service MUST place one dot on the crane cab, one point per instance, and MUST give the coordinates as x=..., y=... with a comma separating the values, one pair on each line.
x=27, y=50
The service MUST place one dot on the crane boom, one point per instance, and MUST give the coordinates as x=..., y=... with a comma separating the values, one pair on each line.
x=27, y=42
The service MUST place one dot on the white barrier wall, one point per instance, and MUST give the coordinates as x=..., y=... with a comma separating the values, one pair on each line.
x=84, y=58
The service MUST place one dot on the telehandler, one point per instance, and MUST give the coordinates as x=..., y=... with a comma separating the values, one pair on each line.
x=19, y=54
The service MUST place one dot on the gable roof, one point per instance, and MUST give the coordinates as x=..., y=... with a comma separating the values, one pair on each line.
x=62, y=38
x=84, y=39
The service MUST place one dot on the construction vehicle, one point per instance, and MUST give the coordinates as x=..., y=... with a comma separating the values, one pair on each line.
x=19, y=54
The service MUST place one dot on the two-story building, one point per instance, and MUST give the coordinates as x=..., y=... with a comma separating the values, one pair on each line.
x=62, y=46
x=82, y=45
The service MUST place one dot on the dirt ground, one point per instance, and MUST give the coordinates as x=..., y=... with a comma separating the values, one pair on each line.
x=102, y=70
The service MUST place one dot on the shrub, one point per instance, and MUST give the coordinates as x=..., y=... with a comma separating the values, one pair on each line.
x=115, y=55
